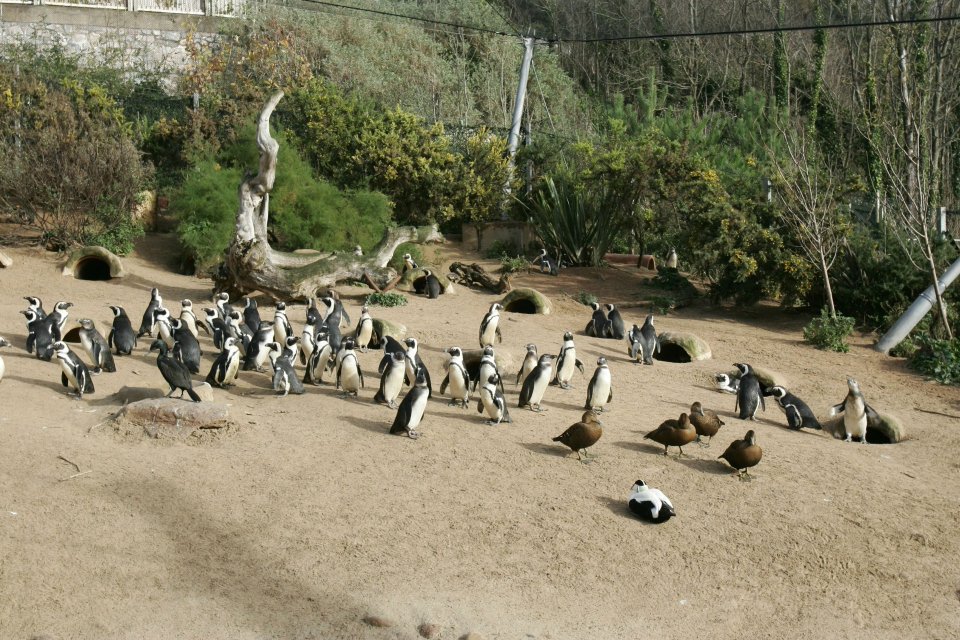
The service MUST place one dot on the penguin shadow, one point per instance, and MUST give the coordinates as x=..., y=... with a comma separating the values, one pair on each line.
x=382, y=428
x=563, y=405
x=619, y=508
x=49, y=384
x=546, y=449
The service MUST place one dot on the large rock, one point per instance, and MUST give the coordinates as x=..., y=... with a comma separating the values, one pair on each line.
x=679, y=346
x=93, y=260
x=174, y=419
x=524, y=300
x=383, y=328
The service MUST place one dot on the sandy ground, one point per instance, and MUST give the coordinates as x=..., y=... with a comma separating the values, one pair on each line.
x=311, y=516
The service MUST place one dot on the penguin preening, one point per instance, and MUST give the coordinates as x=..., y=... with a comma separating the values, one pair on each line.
x=96, y=347
x=856, y=412
x=122, y=337
x=743, y=454
x=600, y=389
x=3, y=368
x=726, y=384
x=222, y=303
x=485, y=368
x=173, y=371
x=492, y=401
x=674, y=433
x=581, y=435
x=74, y=372
x=457, y=379
x=800, y=414
x=257, y=350
x=147, y=324
x=567, y=362
x=547, y=264
x=411, y=409
x=749, y=398
x=649, y=504
x=706, y=422
x=534, y=386
x=490, y=326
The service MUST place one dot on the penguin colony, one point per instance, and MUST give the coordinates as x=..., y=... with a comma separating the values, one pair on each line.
x=245, y=342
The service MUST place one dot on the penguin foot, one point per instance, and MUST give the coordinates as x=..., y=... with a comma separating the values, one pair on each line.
x=413, y=435
x=97, y=371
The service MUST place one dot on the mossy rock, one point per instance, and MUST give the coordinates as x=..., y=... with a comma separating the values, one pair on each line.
x=472, y=357
x=383, y=328
x=524, y=300
x=882, y=428
x=680, y=346
x=93, y=263
x=414, y=281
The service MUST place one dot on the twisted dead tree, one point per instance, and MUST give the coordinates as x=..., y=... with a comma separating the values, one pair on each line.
x=252, y=265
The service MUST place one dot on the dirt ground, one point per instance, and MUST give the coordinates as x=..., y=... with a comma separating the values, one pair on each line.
x=311, y=517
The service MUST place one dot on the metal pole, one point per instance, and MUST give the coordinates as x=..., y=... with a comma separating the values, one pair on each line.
x=514, y=140
x=902, y=327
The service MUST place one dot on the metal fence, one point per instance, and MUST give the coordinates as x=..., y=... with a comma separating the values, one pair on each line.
x=225, y=8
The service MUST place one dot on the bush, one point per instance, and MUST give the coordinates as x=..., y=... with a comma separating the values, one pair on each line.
x=388, y=299
x=939, y=359
x=662, y=305
x=585, y=298
x=513, y=265
x=673, y=280
x=501, y=249
x=829, y=333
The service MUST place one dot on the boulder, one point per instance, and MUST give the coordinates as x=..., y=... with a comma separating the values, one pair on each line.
x=93, y=263
x=383, y=328
x=173, y=419
x=525, y=300
x=679, y=346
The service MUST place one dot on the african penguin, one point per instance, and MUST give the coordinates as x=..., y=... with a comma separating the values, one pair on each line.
x=161, y=320
x=146, y=325
x=597, y=322
x=285, y=379
x=96, y=347
x=58, y=318
x=226, y=366
x=547, y=264
x=3, y=369
x=635, y=338
x=749, y=398
x=529, y=362
x=173, y=371
x=75, y=373
x=40, y=338
x=36, y=305
x=189, y=318
x=614, y=327
x=410, y=412
x=258, y=351
x=650, y=504
x=408, y=263
x=567, y=362
x=320, y=358
x=349, y=375
x=490, y=326
x=251, y=315
x=600, y=389
x=456, y=379
x=726, y=384
x=122, y=337
x=432, y=285
x=222, y=303
x=415, y=363
x=648, y=340
x=798, y=417
x=492, y=401
x=391, y=380
x=186, y=347
x=671, y=262
x=531, y=393
x=215, y=326
x=856, y=412
x=364, y=330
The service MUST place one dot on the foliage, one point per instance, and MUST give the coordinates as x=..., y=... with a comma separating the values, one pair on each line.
x=662, y=305
x=415, y=251
x=386, y=299
x=514, y=265
x=70, y=167
x=939, y=359
x=305, y=213
x=829, y=333
x=672, y=280
x=585, y=298
x=502, y=249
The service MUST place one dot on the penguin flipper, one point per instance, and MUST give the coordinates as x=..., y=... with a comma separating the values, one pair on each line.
x=31, y=342
x=110, y=339
x=63, y=379
x=871, y=414
x=763, y=405
x=360, y=373
x=579, y=366
x=443, y=385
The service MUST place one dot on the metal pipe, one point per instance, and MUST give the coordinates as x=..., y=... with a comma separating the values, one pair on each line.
x=914, y=314
x=514, y=140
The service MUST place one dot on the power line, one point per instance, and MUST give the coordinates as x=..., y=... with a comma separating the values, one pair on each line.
x=409, y=17
x=502, y=17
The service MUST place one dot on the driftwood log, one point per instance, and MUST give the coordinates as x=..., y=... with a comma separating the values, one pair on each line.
x=252, y=265
x=473, y=275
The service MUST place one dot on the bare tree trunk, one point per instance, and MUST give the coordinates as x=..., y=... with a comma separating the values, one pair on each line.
x=828, y=289
x=252, y=265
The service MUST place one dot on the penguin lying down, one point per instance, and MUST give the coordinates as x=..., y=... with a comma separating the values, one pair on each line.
x=650, y=504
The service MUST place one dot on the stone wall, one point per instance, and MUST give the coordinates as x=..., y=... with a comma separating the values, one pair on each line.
x=135, y=41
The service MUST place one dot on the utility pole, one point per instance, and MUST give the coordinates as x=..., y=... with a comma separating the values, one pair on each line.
x=513, y=141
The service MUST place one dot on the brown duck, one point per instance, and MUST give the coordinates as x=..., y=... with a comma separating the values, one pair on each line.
x=582, y=435
x=706, y=422
x=743, y=454
x=674, y=433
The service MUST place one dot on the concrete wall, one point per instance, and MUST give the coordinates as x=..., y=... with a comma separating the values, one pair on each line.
x=134, y=41
x=481, y=237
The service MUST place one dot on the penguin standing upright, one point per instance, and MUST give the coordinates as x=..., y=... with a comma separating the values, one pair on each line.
x=749, y=398
x=96, y=347
x=567, y=362
x=614, y=326
x=598, y=321
x=349, y=375
x=547, y=264
x=411, y=409
x=173, y=371
x=650, y=504
x=74, y=372
x=490, y=326
x=364, y=330
x=456, y=379
x=122, y=337
x=391, y=380
x=800, y=415
x=531, y=393
x=40, y=338
x=408, y=263
x=493, y=402
x=284, y=377
x=415, y=363
x=529, y=363
x=216, y=327
x=258, y=351
x=222, y=303
x=600, y=389
x=186, y=347
x=239, y=330
x=671, y=262
x=161, y=320
x=36, y=305
x=319, y=360
x=226, y=366
x=432, y=284
x=146, y=325
x=635, y=338
x=308, y=340
x=251, y=315
x=856, y=412
x=648, y=340
x=3, y=368
x=189, y=318
x=487, y=367
x=58, y=318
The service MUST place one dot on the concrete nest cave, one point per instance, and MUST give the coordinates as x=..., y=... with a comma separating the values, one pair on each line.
x=525, y=300
x=93, y=263
x=882, y=428
x=676, y=346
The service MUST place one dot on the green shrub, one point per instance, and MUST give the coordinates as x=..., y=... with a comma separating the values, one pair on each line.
x=387, y=299
x=513, y=265
x=415, y=251
x=586, y=299
x=501, y=249
x=939, y=359
x=673, y=280
x=662, y=305
x=829, y=333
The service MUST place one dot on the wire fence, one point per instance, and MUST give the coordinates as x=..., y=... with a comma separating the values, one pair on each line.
x=223, y=8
